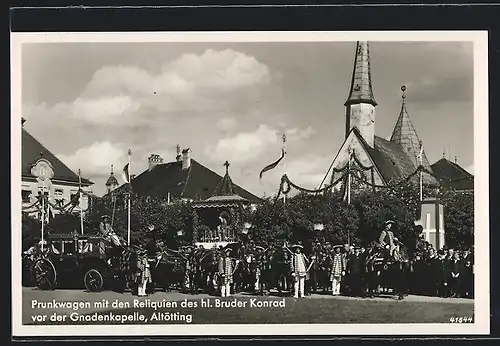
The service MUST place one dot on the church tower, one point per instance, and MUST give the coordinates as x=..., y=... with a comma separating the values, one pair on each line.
x=405, y=135
x=360, y=105
x=111, y=183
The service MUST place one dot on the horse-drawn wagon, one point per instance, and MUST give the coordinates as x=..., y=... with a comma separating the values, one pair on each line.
x=73, y=259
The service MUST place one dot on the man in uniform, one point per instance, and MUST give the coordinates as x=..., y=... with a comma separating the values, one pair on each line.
x=386, y=239
x=226, y=272
x=337, y=270
x=109, y=235
x=299, y=270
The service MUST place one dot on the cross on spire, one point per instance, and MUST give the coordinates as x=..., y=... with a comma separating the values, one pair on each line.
x=227, y=164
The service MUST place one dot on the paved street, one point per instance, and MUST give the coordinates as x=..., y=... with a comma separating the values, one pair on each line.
x=313, y=309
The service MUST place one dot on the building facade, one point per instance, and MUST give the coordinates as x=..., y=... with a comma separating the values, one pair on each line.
x=60, y=188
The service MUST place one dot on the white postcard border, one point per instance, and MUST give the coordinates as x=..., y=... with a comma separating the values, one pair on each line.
x=481, y=324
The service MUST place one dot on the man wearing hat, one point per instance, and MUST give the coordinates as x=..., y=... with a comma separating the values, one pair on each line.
x=299, y=270
x=226, y=272
x=386, y=238
x=108, y=232
x=337, y=270
x=152, y=253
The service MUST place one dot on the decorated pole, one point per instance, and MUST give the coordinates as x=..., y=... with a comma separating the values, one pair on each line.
x=43, y=171
x=421, y=171
x=81, y=199
x=129, y=197
x=284, y=162
x=43, y=210
x=349, y=191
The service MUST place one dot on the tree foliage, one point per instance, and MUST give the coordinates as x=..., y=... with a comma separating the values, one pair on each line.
x=276, y=220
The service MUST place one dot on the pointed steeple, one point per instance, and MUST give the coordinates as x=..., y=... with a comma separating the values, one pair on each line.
x=112, y=182
x=361, y=84
x=405, y=135
x=226, y=186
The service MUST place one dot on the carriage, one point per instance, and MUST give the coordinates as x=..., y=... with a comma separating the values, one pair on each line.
x=74, y=259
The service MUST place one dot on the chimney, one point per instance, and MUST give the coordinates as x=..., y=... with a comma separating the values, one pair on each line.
x=178, y=158
x=186, y=158
x=22, y=122
x=154, y=160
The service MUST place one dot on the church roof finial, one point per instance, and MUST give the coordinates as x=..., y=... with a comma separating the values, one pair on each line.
x=361, y=84
x=226, y=186
x=112, y=172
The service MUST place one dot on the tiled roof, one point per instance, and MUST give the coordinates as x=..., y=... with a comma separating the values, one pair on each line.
x=112, y=181
x=405, y=135
x=390, y=160
x=197, y=182
x=361, y=84
x=32, y=150
x=453, y=175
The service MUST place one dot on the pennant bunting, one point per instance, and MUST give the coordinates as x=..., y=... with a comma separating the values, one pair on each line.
x=125, y=173
x=272, y=165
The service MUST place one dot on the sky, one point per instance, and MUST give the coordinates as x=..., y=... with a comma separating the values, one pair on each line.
x=90, y=102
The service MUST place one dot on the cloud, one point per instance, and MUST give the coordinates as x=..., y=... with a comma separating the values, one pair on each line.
x=243, y=147
x=298, y=134
x=214, y=81
x=453, y=88
x=95, y=159
x=246, y=147
x=227, y=124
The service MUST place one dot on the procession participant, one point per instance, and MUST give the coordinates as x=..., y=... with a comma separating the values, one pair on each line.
x=226, y=271
x=467, y=282
x=143, y=273
x=386, y=239
x=344, y=284
x=433, y=270
x=337, y=270
x=109, y=235
x=152, y=255
x=259, y=264
x=299, y=269
x=355, y=270
x=456, y=268
x=187, y=254
x=444, y=275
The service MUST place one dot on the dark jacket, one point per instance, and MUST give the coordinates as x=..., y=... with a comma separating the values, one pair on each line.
x=355, y=264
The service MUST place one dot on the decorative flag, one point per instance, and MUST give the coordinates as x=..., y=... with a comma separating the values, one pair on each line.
x=272, y=165
x=125, y=173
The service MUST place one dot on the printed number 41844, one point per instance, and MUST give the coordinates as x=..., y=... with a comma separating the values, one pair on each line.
x=461, y=320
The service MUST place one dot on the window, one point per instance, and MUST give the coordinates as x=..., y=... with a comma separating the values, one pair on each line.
x=75, y=197
x=58, y=194
x=25, y=195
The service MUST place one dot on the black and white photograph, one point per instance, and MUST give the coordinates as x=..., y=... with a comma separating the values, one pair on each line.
x=250, y=183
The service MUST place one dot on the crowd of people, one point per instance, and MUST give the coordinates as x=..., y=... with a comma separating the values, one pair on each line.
x=324, y=268
x=320, y=268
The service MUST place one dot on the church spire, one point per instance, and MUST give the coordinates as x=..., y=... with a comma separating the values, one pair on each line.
x=361, y=84
x=360, y=105
x=405, y=135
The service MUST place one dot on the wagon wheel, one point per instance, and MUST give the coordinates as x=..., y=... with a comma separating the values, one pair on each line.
x=45, y=274
x=93, y=280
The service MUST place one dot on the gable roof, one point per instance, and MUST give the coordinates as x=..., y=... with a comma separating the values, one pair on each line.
x=453, y=175
x=196, y=182
x=32, y=150
x=390, y=160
